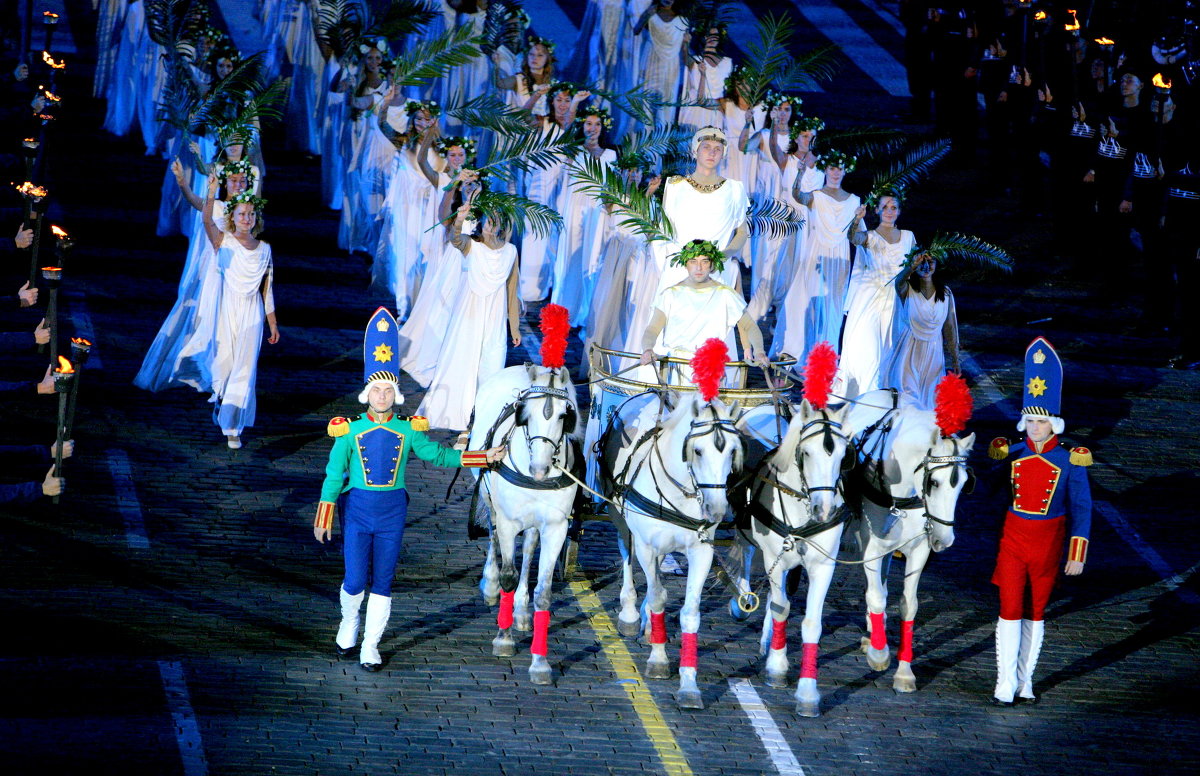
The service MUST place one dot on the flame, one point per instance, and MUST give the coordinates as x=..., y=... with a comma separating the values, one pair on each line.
x=1039, y=15
x=51, y=96
x=80, y=341
x=1074, y=25
x=49, y=60
x=1106, y=41
x=1160, y=82
x=59, y=233
x=27, y=189
x=64, y=366
x=46, y=15
x=51, y=269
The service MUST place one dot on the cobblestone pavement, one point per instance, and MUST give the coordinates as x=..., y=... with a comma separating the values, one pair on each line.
x=174, y=615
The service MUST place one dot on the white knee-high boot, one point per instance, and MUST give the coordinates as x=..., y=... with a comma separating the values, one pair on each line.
x=1008, y=646
x=347, y=635
x=379, y=609
x=1032, y=633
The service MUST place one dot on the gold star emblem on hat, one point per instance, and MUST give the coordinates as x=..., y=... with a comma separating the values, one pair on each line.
x=382, y=353
x=1036, y=387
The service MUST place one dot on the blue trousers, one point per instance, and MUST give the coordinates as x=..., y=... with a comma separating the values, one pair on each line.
x=372, y=532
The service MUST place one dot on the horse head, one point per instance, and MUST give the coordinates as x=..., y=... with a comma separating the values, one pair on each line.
x=818, y=442
x=710, y=447
x=942, y=475
x=546, y=416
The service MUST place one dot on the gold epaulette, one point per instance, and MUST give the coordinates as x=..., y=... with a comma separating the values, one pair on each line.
x=324, y=518
x=418, y=422
x=337, y=427
x=998, y=449
x=1081, y=456
x=675, y=179
x=474, y=458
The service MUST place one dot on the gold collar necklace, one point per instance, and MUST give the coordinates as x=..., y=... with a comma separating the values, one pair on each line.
x=705, y=188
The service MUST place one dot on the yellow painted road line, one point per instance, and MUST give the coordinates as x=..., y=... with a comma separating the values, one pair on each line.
x=653, y=722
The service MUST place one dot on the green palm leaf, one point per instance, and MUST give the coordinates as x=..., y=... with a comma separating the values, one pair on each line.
x=257, y=110
x=434, y=58
x=819, y=64
x=771, y=217
x=768, y=57
x=918, y=163
x=530, y=150
x=633, y=208
x=655, y=143
x=509, y=211
x=956, y=247
x=338, y=24
x=213, y=108
x=862, y=142
x=491, y=113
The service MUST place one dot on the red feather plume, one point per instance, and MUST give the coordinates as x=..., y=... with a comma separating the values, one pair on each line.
x=555, y=325
x=819, y=371
x=708, y=367
x=952, y=404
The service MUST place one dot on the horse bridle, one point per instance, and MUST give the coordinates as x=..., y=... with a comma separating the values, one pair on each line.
x=535, y=393
x=932, y=463
x=828, y=429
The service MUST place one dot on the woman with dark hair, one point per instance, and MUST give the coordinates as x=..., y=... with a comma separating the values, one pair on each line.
x=666, y=45
x=704, y=79
x=370, y=153
x=927, y=343
x=737, y=115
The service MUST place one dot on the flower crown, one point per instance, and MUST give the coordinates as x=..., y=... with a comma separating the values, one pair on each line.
x=246, y=196
x=562, y=86
x=212, y=33
x=431, y=106
x=701, y=27
x=832, y=158
x=379, y=44
x=443, y=145
x=700, y=249
x=731, y=80
x=594, y=110
x=773, y=98
x=537, y=40
x=242, y=166
x=805, y=124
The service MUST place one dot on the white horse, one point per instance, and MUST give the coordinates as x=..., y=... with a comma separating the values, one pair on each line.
x=910, y=477
x=796, y=517
x=670, y=487
x=532, y=410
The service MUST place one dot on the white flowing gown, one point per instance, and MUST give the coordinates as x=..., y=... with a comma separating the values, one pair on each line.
x=422, y=334
x=870, y=312
x=697, y=215
x=578, y=260
x=919, y=360
x=246, y=299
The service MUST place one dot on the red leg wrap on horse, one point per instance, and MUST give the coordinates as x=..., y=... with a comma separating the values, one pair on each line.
x=878, y=633
x=687, y=650
x=541, y=627
x=808, y=661
x=779, y=635
x=658, y=628
x=504, y=616
x=906, y=633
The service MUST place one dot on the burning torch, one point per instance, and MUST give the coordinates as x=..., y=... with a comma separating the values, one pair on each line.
x=35, y=206
x=29, y=148
x=54, y=68
x=80, y=348
x=50, y=22
x=64, y=383
x=53, y=278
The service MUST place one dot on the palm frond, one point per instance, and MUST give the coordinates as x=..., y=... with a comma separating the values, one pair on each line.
x=632, y=207
x=955, y=247
x=511, y=211
x=655, y=143
x=496, y=24
x=530, y=150
x=258, y=109
x=771, y=217
x=225, y=97
x=167, y=20
x=819, y=64
x=767, y=58
x=640, y=104
x=434, y=58
x=401, y=18
x=178, y=96
x=905, y=172
x=491, y=113
x=862, y=142
x=338, y=24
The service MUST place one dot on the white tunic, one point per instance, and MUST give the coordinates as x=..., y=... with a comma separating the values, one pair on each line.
x=246, y=298
x=695, y=315
x=712, y=79
x=578, y=259
x=663, y=61
x=919, y=360
x=422, y=334
x=870, y=312
x=696, y=215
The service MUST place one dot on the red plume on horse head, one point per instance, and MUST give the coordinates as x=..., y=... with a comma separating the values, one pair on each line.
x=708, y=367
x=952, y=404
x=555, y=325
x=819, y=371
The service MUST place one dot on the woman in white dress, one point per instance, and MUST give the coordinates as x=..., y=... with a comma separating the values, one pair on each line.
x=871, y=301
x=537, y=70
x=704, y=81
x=927, y=343
x=247, y=298
x=474, y=347
x=776, y=169
x=468, y=81
x=181, y=353
x=598, y=47
x=546, y=187
x=300, y=49
x=667, y=44
x=370, y=153
x=578, y=260
x=813, y=308
x=704, y=206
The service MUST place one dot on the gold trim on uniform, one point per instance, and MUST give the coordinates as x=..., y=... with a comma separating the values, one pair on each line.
x=1055, y=477
x=395, y=462
x=1078, y=549
x=419, y=422
x=1081, y=456
x=338, y=427
x=474, y=458
x=998, y=449
x=324, y=519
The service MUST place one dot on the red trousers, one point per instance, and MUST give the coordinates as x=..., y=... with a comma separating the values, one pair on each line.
x=1027, y=566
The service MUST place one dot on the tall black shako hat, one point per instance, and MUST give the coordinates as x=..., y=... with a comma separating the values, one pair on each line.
x=381, y=353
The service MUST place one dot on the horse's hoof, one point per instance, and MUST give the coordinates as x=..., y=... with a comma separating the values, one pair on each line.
x=539, y=674
x=503, y=648
x=808, y=708
x=658, y=670
x=689, y=699
x=491, y=600
x=878, y=660
x=737, y=612
x=523, y=623
x=778, y=681
x=629, y=629
x=904, y=683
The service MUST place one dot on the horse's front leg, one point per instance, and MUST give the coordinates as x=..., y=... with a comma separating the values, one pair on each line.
x=874, y=644
x=820, y=575
x=504, y=534
x=773, y=642
x=629, y=620
x=657, y=666
x=529, y=544
x=700, y=558
x=914, y=564
x=555, y=533
x=741, y=555
x=489, y=583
